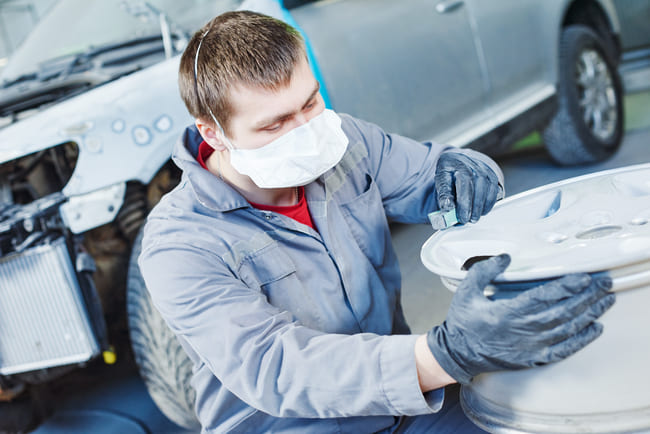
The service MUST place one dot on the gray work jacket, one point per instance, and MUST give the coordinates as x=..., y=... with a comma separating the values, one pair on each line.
x=289, y=328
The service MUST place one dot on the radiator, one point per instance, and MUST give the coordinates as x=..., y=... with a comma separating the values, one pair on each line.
x=43, y=321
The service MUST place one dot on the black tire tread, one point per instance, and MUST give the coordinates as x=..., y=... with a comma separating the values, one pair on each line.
x=163, y=364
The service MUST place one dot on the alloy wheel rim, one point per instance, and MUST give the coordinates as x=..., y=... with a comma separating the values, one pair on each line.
x=590, y=223
x=596, y=95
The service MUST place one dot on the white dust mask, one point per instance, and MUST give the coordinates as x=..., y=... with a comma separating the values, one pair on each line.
x=295, y=158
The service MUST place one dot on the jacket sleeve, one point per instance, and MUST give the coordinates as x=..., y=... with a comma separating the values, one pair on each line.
x=269, y=360
x=404, y=169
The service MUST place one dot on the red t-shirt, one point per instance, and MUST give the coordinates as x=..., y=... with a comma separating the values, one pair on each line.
x=298, y=212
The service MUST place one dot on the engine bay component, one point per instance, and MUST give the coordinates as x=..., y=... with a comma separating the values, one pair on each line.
x=42, y=313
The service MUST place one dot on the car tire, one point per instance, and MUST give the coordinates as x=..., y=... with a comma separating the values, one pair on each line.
x=163, y=364
x=588, y=125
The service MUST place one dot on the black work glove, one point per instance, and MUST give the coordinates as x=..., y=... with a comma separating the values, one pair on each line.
x=541, y=325
x=469, y=185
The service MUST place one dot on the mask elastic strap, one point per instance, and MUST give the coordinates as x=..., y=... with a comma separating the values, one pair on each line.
x=196, y=89
x=223, y=133
x=196, y=66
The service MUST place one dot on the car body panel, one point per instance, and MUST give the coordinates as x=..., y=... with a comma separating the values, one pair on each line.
x=635, y=34
x=121, y=137
x=392, y=61
x=516, y=52
x=452, y=93
x=115, y=126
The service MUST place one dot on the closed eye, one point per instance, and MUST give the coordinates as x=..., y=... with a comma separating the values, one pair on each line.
x=274, y=127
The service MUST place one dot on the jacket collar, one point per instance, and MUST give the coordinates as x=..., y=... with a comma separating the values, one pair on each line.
x=211, y=191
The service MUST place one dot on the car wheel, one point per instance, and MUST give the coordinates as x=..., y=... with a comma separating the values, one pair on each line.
x=163, y=364
x=588, y=125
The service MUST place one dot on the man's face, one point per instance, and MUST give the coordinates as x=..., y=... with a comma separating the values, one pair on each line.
x=261, y=116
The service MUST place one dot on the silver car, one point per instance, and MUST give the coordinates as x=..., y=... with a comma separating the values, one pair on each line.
x=89, y=111
x=483, y=73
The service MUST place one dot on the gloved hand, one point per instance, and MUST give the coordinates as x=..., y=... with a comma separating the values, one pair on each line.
x=467, y=184
x=541, y=325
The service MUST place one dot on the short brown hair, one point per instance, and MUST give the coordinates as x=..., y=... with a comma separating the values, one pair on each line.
x=236, y=48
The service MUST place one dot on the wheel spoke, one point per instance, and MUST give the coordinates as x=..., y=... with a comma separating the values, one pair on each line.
x=597, y=95
x=583, y=80
x=590, y=66
x=610, y=97
x=588, y=112
x=597, y=126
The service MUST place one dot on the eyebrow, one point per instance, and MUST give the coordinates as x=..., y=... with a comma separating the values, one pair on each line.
x=284, y=116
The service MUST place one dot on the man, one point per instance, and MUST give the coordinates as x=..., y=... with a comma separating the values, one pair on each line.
x=272, y=260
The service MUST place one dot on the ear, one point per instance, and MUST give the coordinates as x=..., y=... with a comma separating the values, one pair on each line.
x=212, y=136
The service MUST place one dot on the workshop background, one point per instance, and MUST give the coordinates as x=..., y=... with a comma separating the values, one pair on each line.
x=110, y=398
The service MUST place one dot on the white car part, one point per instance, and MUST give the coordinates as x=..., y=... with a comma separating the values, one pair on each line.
x=590, y=223
x=122, y=135
x=87, y=211
x=594, y=223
